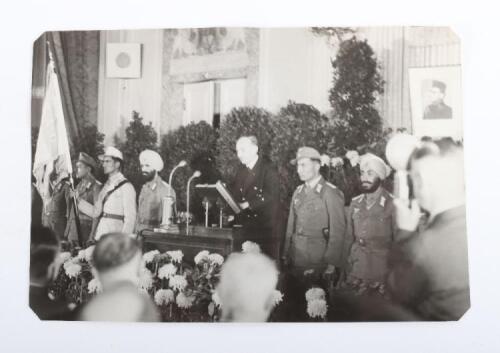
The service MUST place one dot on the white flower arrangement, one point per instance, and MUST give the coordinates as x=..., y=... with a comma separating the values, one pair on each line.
x=201, y=256
x=317, y=308
x=64, y=256
x=94, y=286
x=149, y=256
x=336, y=162
x=167, y=271
x=145, y=280
x=353, y=157
x=216, y=299
x=216, y=259
x=177, y=282
x=183, y=301
x=88, y=253
x=164, y=296
x=81, y=255
x=250, y=247
x=72, y=269
x=315, y=293
x=176, y=255
x=277, y=297
x=325, y=159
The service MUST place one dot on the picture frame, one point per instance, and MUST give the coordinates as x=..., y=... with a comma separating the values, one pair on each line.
x=123, y=60
x=436, y=101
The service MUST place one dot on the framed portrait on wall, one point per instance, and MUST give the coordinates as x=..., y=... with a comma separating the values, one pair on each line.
x=436, y=101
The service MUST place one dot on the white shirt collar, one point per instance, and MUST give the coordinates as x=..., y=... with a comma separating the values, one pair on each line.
x=253, y=162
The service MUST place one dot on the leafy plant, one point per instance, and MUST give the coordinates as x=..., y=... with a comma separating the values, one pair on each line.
x=196, y=144
x=357, y=83
x=139, y=136
x=296, y=125
x=239, y=122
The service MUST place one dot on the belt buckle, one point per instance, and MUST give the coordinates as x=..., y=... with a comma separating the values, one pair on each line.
x=361, y=241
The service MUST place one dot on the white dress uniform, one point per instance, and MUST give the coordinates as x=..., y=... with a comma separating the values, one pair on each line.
x=119, y=211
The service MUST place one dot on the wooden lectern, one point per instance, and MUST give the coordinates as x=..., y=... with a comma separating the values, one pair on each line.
x=197, y=238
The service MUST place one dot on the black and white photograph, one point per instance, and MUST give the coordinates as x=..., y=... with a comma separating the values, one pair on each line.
x=249, y=176
x=436, y=98
x=241, y=174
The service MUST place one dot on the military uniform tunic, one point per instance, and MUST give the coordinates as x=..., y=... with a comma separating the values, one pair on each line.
x=369, y=237
x=55, y=209
x=118, y=212
x=316, y=227
x=88, y=189
x=149, y=212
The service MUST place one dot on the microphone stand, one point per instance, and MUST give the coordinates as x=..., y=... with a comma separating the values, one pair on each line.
x=168, y=202
x=196, y=174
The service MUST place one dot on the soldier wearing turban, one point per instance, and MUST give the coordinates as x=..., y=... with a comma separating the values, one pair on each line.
x=149, y=213
x=370, y=227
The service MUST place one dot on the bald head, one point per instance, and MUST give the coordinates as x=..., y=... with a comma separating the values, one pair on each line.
x=247, y=283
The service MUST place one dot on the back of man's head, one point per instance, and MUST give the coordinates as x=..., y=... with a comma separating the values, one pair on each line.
x=44, y=249
x=246, y=287
x=437, y=170
x=116, y=256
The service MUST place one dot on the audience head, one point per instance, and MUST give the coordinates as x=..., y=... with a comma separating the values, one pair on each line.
x=246, y=287
x=117, y=257
x=437, y=172
x=44, y=250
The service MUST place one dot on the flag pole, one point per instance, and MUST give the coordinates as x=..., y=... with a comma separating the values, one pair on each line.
x=70, y=168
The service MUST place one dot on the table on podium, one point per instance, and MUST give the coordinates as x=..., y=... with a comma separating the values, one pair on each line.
x=216, y=240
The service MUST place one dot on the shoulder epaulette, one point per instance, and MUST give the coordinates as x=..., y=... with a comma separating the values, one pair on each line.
x=358, y=198
x=331, y=185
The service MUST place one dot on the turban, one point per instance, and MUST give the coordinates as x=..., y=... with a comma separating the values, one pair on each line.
x=152, y=158
x=377, y=164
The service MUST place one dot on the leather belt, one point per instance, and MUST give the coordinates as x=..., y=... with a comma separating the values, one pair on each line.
x=113, y=216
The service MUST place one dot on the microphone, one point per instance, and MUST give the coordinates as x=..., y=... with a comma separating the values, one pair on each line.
x=196, y=174
x=181, y=164
x=170, y=205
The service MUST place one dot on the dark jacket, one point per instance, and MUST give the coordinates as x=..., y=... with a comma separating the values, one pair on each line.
x=260, y=188
x=429, y=270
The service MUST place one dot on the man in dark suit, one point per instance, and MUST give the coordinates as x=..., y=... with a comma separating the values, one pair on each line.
x=429, y=269
x=256, y=189
x=437, y=109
